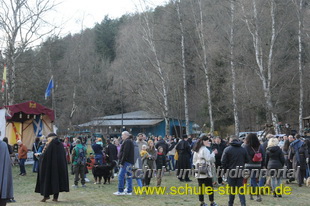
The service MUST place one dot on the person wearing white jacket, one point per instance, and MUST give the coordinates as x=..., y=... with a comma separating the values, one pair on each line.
x=201, y=155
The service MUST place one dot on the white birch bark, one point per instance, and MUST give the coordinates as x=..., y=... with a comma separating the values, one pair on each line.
x=73, y=108
x=149, y=39
x=232, y=65
x=183, y=65
x=264, y=73
x=204, y=62
x=300, y=65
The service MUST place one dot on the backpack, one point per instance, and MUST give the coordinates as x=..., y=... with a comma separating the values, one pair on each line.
x=81, y=156
x=258, y=157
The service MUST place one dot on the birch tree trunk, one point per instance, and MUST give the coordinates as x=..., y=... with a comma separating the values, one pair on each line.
x=11, y=80
x=74, y=107
x=204, y=62
x=274, y=116
x=163, y=91
x=264, y=73
x=300, y=64
x=183, y=65
x=232, y=65
x=2, y=64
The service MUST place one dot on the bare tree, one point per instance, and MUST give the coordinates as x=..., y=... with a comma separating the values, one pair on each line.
x=74, y=107
x=183, y=65
x=264, y=72
x=148, y=37
x=232, y=65
x=199, y=23
x=22, y=22
x=299, y=11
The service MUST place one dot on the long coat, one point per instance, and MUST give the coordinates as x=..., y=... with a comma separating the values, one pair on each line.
x=111, y=151
x=53, y=170
x=184, y=151
x=6, y=180
x=303, y=154
x=137, y=167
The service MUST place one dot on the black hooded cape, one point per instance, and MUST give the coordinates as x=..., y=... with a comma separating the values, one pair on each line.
x=6, y=180
x=53, y=170
x=184, y=152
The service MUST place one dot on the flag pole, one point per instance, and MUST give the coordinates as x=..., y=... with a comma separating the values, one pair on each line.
x=53, y=99
x=122, y=107
x=6, y=93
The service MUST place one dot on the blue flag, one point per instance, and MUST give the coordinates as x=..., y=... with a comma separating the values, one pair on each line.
x=49, y=88
x=38, y=126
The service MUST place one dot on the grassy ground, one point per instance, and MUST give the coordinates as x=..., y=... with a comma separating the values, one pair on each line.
x=102, y=195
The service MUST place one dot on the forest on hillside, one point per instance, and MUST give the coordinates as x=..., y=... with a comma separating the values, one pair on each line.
x=231, y=65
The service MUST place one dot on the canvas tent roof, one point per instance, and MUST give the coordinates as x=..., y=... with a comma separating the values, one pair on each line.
x=19, y=112
x=26, y=121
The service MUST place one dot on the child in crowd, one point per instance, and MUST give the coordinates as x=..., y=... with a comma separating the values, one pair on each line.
x=143, y=152
x=160, y=164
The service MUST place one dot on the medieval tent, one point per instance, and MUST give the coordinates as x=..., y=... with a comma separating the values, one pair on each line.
x=26, y=121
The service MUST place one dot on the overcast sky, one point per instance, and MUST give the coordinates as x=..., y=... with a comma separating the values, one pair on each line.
x=78, y=14
x=71, y=16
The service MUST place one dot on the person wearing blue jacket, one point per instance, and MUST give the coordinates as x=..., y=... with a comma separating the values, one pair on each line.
x=299, y=156
x=97, y=148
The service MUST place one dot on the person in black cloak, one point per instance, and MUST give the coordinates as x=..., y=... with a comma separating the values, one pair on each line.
x=184, y=151
x=6, y=180
x=53, y=171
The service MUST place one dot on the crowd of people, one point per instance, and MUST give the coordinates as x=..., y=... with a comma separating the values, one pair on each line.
x=252, y=153
x=159, y=155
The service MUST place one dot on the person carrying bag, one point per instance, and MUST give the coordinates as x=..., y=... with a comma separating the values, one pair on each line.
x=202, y=160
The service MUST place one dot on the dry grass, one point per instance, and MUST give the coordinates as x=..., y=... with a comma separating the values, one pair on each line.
x=102, y=195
